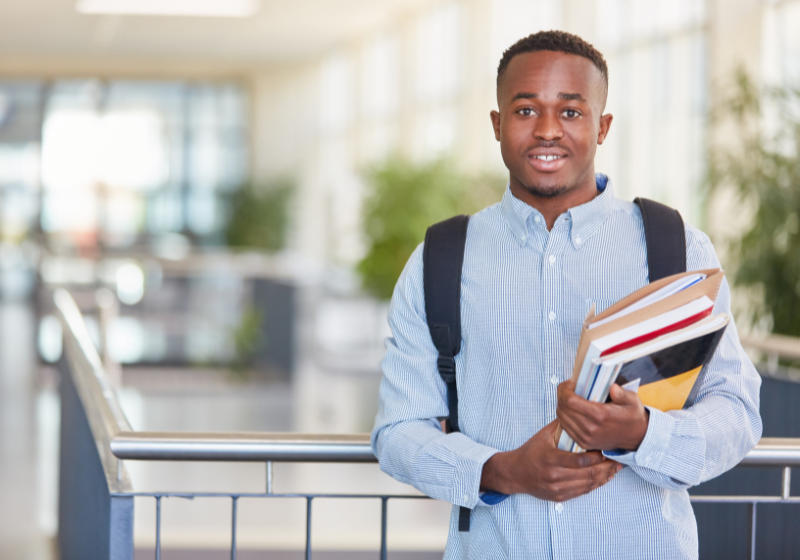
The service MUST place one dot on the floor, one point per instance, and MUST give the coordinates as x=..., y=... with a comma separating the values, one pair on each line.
x=28, y=444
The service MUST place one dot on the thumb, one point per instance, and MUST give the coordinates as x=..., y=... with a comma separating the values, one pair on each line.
x=621, y=396
x=551, y=427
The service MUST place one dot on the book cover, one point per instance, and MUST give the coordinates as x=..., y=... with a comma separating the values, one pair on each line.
x=669, y=379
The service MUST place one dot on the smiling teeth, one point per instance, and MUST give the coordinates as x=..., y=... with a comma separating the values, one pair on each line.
x=548, y=158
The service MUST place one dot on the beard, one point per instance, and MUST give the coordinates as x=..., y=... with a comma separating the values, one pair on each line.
x=546, y=191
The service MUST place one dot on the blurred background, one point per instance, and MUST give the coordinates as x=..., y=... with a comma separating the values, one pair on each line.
x=229, y=189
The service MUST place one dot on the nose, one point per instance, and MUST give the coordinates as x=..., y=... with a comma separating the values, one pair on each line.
x=548, y=127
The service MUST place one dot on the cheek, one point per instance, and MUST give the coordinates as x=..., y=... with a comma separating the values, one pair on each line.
x=584, y=138
x=515, y=136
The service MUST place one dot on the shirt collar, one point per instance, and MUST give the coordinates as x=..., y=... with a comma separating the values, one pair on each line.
x=586, y=218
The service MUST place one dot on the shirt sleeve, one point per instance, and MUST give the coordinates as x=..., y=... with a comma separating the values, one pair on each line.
x=407, y=438
x=683, y=448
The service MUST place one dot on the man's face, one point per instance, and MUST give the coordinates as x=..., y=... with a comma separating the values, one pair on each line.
x=550, y=122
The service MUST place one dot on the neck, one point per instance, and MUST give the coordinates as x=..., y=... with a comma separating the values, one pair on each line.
x=552, y=208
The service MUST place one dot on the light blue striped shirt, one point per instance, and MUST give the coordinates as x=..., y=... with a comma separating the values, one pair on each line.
x=524, y=294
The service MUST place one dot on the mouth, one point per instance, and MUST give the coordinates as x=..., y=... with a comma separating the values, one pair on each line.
x=547, y=163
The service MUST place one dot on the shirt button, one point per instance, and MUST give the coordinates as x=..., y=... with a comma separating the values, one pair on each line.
x=552, y=259
x=578, y=240
x=554, y=380
x=559, y=508
x=552, y=316
x=537, y=219
x=466, y=498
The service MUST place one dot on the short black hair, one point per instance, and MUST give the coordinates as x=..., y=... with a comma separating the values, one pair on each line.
x=556, y=41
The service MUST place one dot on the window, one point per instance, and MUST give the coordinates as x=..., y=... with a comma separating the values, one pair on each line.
x=123, y=160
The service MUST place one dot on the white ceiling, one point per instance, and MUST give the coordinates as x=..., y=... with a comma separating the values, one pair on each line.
x=281, y=31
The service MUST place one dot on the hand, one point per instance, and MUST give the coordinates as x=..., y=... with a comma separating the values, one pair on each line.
x=541, y=469
x=620, y=424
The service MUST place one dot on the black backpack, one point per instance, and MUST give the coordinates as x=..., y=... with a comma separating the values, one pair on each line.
x=443, y=257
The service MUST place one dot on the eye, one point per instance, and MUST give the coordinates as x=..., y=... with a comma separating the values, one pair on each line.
x=526, y=111
x=571, y=113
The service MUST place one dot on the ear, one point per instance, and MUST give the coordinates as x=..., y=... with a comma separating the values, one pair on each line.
x=605, y=124
x=495, y=116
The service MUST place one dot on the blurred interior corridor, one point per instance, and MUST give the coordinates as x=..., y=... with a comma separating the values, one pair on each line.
x=229, y=189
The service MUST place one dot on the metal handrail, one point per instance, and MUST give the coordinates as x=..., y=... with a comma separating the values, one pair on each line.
x=107, y=418
x=776, y=345
x=243, y=446
x=111, y=427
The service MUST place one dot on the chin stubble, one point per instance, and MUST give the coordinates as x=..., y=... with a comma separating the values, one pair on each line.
x=546, y=191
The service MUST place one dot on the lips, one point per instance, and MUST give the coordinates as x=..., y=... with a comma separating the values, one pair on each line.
x=547, y=162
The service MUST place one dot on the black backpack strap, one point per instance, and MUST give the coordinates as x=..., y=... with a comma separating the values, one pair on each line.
x=665, y=237
x=443, y=257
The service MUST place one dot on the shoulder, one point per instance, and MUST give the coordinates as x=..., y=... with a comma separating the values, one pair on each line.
x=626, y=213
x=700, y=251
x=488, y=217
x=487, y=228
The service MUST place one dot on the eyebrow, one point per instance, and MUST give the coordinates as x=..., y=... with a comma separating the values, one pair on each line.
x=571, y=96
x=562, y=95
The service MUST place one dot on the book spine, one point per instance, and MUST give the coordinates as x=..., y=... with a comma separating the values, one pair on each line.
x=591, y=354
x=611, y=380
x=565, y=442
x=597, y=367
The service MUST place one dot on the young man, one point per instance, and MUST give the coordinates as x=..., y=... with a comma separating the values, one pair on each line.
x=534, y=263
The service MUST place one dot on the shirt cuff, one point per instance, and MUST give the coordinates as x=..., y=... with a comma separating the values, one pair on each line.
x=492, y=498
x=653, y=449
x=468, y=468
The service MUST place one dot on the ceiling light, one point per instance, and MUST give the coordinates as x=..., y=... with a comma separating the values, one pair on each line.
x=191, y=8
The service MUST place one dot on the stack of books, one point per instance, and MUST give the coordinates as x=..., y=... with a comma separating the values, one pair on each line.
x=656, y=342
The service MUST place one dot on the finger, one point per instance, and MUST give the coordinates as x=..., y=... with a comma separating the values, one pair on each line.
x=570, y=425
x=567, y=386
x=568, y=488
x=577, y=461
x=577, y=427
x=570, y=403
x=621, y=396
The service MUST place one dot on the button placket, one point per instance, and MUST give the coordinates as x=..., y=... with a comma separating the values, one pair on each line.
x=552, y=294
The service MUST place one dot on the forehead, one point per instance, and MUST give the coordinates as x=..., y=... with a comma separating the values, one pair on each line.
x=549, y=73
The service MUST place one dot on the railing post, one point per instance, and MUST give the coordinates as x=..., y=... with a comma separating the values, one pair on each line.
x=384, y=507
x=308, y=527
x=269, y=477
x=233, y=527
x=158, y=527
x=786, y=483
x=753, y=518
